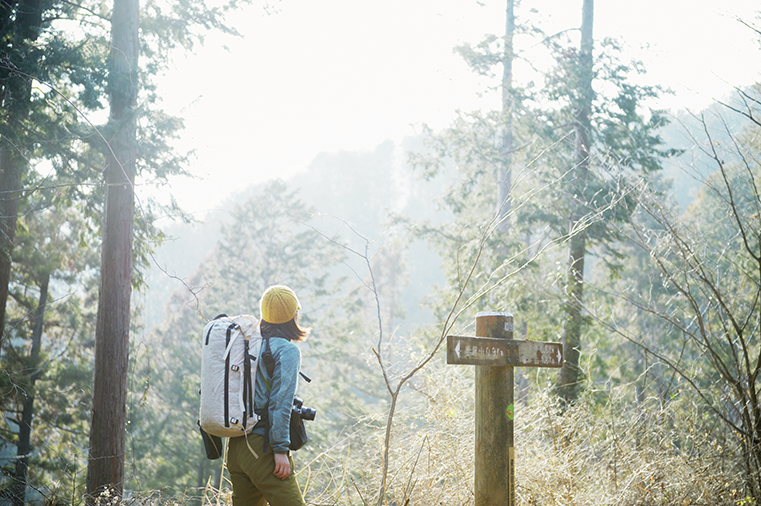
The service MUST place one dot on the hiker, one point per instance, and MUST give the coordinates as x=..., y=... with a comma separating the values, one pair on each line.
x=270, y=478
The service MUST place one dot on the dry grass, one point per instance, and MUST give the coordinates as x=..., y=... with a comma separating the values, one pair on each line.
x=614, y=452
x=606, y=450
x=622, y=453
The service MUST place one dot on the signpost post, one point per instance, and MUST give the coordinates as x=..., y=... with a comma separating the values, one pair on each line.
x=495, y=354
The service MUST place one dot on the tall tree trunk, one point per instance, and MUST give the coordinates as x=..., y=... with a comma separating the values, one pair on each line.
x=24, y=446
x=105, y=469
x=504, y=174
x=571, y=374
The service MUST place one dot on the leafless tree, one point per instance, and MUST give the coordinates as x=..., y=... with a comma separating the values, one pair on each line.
x=709, y=260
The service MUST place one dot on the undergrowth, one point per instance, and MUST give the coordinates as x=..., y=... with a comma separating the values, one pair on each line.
x=617, y=452
x=607, y=449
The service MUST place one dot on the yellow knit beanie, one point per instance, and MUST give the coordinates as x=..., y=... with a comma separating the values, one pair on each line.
x=279, y=304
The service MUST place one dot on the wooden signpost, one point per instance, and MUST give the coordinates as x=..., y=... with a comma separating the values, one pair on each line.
x=495, y=354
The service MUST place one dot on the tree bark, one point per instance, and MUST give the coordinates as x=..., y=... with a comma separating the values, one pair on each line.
x=105, y=469
x=24, y=446
x=571, y=374
x=504, y=175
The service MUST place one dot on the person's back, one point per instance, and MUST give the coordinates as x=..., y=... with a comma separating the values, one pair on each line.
x=260, y=463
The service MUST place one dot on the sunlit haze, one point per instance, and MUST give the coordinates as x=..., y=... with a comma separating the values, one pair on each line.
x=347, y=75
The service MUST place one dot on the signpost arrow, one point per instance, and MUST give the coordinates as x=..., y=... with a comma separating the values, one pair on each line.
x=503, y=352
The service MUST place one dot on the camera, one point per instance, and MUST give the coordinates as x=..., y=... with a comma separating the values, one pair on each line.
x=304, y=412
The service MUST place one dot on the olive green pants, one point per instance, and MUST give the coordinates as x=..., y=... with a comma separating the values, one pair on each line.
x=252, y=478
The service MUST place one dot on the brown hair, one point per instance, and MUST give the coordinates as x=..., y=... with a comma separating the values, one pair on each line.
x=289, y=330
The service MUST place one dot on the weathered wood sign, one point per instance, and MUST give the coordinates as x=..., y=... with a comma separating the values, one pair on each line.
x=495, y=353
x=489, y=351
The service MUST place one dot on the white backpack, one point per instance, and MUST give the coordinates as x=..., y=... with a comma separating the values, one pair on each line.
x=231, y=346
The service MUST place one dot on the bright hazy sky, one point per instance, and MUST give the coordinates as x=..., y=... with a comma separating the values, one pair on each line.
x=329, y=75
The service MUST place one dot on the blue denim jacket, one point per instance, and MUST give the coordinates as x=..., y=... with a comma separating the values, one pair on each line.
x=278, y=391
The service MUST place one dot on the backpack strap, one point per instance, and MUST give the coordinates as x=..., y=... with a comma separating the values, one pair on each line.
x=227, y=373
x=247, y=386
x=269, y=365
x=268, y=360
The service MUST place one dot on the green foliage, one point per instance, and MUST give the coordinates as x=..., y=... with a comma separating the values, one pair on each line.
x=521, y=266
x=624, y=143
x=484, y=56
x=182, y=23
x=60, y=378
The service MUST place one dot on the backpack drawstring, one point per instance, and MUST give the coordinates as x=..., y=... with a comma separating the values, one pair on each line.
x=249, y=447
